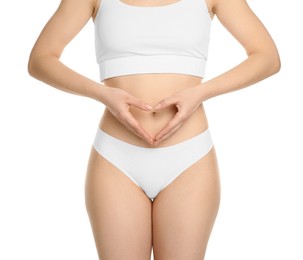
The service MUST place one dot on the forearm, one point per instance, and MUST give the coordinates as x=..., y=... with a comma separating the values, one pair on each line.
x=252, y=70
x=51, y=71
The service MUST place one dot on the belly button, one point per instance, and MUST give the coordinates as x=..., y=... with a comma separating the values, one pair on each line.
x=154, y=114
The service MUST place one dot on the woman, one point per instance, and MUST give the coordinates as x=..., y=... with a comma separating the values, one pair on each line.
x=152, y=177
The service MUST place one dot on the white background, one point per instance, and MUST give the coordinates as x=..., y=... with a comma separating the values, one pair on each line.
x=46, y=136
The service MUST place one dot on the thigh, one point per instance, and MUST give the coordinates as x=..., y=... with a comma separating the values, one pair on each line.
x=184, y=212
x=119, y=212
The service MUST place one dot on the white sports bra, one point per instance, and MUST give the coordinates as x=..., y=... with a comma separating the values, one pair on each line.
x=171, y=38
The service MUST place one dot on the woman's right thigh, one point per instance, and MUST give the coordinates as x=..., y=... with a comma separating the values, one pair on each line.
x=119, y=212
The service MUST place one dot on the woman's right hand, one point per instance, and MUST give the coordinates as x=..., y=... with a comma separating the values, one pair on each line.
x=117, y=101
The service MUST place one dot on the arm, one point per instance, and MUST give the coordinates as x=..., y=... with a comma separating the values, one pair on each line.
x=263, y=58
x=44, y=61
x=45, y=65
x=262, y=61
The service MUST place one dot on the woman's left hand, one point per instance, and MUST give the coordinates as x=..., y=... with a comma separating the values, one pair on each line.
x=186, y=102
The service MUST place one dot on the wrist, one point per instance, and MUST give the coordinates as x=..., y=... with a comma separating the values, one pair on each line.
x=201, y=91
x=99, y=92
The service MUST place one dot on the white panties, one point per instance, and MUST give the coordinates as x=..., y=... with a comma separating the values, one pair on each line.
x=152, y=169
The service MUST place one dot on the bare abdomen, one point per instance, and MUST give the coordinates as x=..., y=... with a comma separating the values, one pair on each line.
x=152, y=88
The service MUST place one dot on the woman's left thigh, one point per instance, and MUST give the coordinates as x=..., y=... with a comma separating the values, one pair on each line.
x=185, y=211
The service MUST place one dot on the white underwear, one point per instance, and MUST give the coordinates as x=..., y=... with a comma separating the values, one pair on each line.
x=152, y=169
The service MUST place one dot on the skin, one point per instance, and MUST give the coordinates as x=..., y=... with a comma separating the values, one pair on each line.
x=152, y=110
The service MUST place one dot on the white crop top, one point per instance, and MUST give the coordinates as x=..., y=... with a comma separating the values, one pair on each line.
x=171, y=38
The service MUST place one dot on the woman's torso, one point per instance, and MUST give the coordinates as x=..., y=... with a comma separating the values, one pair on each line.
x=152, y=88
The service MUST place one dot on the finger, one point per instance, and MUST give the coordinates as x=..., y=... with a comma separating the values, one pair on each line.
x=135, y=127
x=166, y=102
x=177, y=119
x=167, y=135
x=139, y=104
x=139, y=131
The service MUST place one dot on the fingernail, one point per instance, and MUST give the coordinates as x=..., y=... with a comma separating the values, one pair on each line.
x=158, y=106
x=148, y=106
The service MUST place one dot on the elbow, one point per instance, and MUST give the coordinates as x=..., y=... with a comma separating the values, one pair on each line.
x=272, y=61
x=275, y=63
x=36, y=63
x=268, y=60
x=31, y=66
x=39, y=64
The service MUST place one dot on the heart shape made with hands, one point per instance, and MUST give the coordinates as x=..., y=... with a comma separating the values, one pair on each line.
x=169, y=128
x=185, y=102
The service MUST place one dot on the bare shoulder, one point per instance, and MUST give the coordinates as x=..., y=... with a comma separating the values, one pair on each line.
x=86, y=6
x=241, y=21
x=67, y=21
x=231, y=8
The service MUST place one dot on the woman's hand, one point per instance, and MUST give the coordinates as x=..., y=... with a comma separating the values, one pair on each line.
x=117, y=101
x=186, y=101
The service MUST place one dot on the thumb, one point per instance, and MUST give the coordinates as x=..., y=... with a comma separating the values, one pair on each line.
x=140, y=104
x=166, y=102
